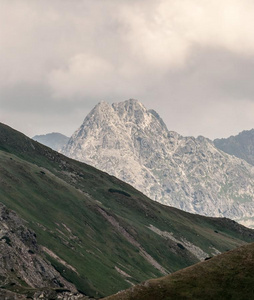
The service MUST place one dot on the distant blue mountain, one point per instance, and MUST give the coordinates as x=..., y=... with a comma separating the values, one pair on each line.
x=241, y=145
x=54, y=140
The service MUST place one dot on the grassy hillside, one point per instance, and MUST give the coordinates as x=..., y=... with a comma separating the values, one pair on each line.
x=98, y=232
x=226, y=276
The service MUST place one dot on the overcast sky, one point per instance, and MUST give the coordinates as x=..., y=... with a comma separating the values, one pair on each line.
x=190, y=60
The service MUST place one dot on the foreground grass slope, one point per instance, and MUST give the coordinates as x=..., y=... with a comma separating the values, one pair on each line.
x=98, y=232
x=226, y=276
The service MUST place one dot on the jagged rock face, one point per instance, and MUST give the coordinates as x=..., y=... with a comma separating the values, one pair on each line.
x=23, y=271
x=241, y=145
x=132, y=143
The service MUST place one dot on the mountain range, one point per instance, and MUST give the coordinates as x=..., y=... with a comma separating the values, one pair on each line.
x=132, y=143
x=65, y=223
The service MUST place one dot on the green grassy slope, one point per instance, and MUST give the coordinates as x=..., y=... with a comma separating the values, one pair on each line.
x=106, y=235
x=226, y=276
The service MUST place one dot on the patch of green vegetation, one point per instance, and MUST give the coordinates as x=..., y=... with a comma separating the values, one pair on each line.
x=119, y=192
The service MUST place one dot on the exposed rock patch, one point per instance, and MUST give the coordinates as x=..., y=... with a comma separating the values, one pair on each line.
x=131, y=240
x=22, y=268
x=195, y=250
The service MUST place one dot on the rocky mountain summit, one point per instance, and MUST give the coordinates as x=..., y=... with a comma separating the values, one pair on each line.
x=133, y=143
x=241, y=145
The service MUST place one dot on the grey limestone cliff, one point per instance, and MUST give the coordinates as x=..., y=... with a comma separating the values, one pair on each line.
x=133, y=143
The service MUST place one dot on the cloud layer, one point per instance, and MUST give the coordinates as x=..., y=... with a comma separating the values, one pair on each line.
x=191, y=60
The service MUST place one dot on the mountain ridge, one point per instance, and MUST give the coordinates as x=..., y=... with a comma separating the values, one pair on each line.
x=133, y=143
x=240, y=145
x=226, y=276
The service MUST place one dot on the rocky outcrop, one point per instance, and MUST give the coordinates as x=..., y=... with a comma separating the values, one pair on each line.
x=133, y=143
x=23, y=271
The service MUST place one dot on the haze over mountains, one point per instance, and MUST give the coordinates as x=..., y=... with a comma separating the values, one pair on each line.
x=98, y=232
x=241, y=145
x=54, y=140
x=133, y=143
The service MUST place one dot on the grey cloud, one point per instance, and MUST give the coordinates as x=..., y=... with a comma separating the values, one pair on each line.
x=124, y=50
x=211, y=95
x=36, y=98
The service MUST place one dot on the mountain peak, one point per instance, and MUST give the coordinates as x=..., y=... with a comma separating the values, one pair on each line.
x=125, y=112
x=101, y=107
x=132, y=111
x=127, y=104
x=132, y=143
x=102, y=104
x=130, y=103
